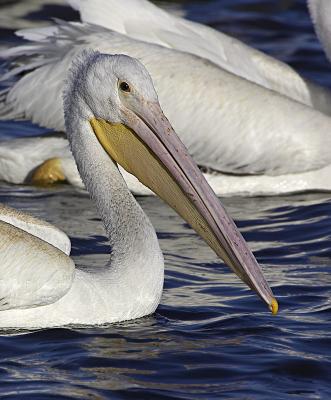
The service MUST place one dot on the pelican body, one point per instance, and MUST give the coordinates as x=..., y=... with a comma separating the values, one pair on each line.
x=112, y=115
x=144, y=21
x=258, y=140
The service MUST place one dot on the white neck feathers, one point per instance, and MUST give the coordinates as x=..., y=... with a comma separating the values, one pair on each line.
x=135, y=271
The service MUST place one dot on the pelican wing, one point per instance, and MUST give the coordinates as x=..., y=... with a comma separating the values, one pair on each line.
x=43, y=80
x=36, y=227
x=32, y=272
x=142, y=20
x=320, y=11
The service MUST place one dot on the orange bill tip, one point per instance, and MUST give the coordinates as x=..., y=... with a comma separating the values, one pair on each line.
x=274, y=306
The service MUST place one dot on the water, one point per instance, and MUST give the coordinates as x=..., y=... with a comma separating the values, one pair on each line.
x=210, y=337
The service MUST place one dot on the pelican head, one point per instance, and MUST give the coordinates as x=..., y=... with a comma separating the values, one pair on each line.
x=120, y=104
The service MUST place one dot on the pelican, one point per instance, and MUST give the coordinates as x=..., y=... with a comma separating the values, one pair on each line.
x=253, y=139
x=142, y=20
x=46, y=160
x=112, y=115
x=320, y=11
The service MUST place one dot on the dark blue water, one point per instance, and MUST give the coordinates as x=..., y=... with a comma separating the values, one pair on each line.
x=211, y=338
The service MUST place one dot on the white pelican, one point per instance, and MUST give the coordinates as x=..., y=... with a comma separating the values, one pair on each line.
x=259, y=141
x=112, y=115
x=22, y=161
x=143, y=20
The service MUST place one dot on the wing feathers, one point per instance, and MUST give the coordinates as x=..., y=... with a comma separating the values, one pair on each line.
x=32, y=272
x=36, y=227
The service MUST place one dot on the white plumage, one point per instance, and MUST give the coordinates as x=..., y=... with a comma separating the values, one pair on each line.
x=19, y=157
x=39, y=285
x=320, y=11
x=36, y=227
x=144, y=21
x=266, y=141
x=30, y=281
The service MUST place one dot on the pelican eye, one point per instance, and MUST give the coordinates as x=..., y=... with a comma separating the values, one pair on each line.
x=125, y=87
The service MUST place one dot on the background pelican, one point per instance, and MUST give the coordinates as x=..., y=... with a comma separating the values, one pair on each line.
x=140, y=19
x=22, y=161
x=282, y=149
x=112, y=115
x=320, y=11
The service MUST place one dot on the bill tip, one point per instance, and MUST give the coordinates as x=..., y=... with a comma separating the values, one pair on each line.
x=274, y=306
